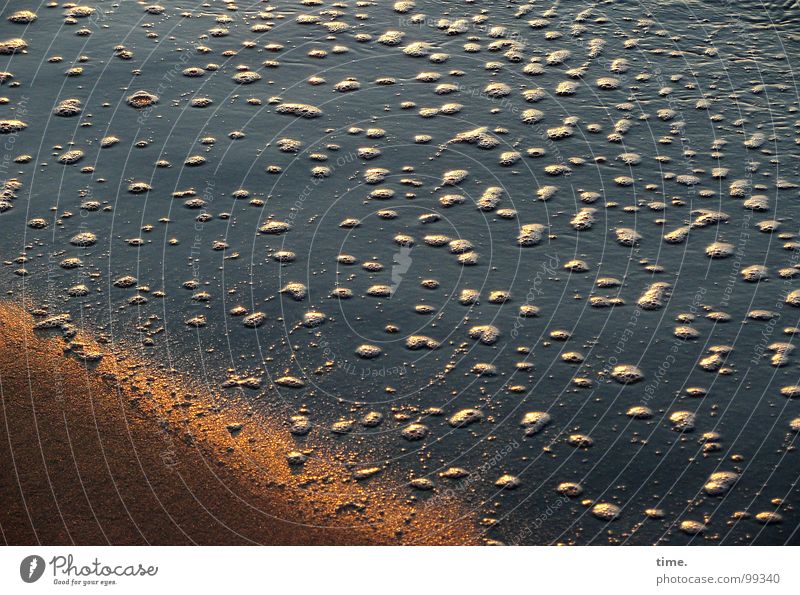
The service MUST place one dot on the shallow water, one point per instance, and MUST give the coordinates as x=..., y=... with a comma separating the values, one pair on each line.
x=738, y=57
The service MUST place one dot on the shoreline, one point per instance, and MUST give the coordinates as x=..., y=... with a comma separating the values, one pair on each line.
x=117, y=452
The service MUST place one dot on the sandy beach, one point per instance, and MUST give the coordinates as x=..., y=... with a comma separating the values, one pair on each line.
x=112, y=453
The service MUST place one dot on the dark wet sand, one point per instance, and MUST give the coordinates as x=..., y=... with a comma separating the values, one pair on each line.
x=86, y=460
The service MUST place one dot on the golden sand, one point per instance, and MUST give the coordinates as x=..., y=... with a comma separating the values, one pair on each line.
x=115, y=451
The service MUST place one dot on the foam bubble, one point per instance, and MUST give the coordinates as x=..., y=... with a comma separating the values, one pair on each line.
x=535, y=421
x=580, y=441
x=415, y=431
x=367, y=351
x=465, y=417
x=627, y=374
x=507, y=482
x=24, y=17
x=682, y=421
x=720, y=482
x=606, y=511
x=141, y=99
x=769, y=517
x=691, y=527
x=485, y=333
x=15, y=45
x=640, y=412
x=83, y=239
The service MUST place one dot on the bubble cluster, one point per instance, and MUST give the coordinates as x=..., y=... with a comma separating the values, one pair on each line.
x=524, y=252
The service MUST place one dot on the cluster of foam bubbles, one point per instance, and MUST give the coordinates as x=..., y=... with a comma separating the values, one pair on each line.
x=414, y=235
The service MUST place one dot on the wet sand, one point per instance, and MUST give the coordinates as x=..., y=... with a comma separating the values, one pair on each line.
x=116, y=452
